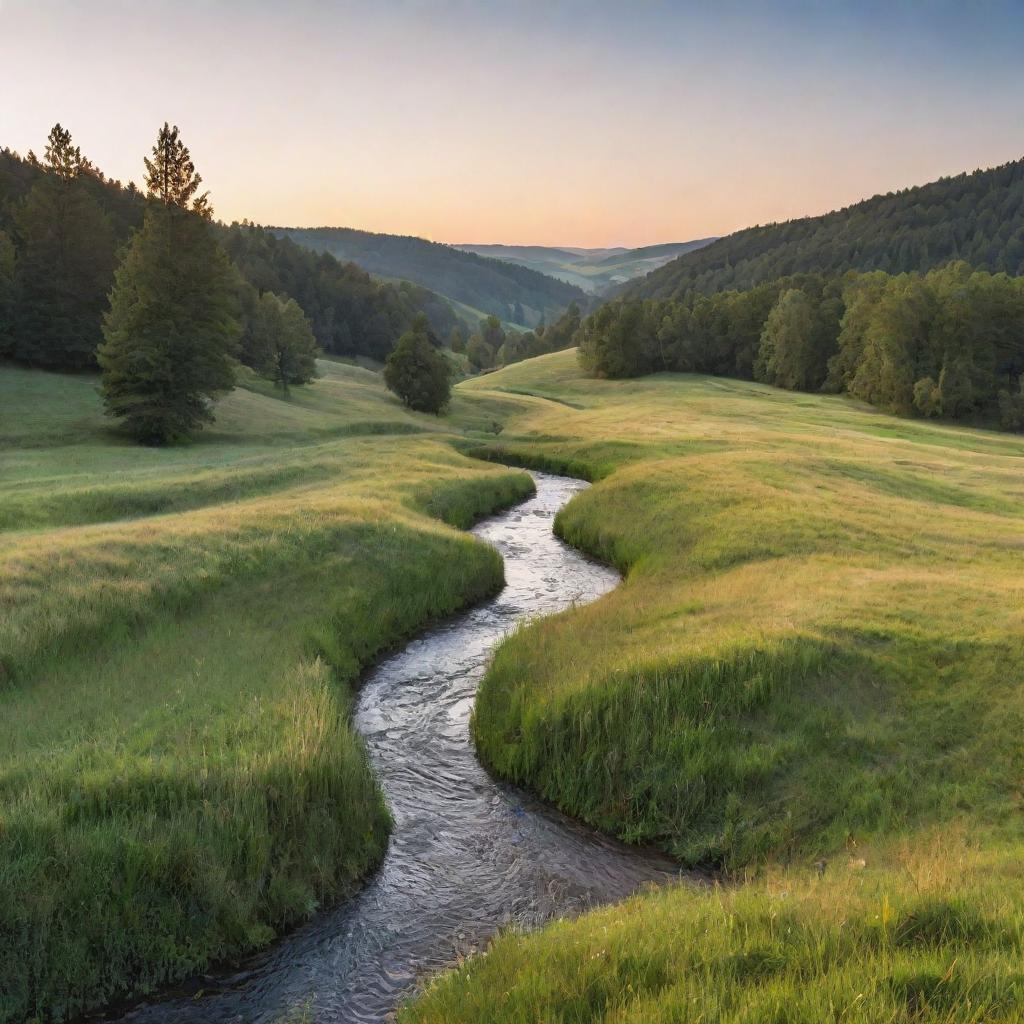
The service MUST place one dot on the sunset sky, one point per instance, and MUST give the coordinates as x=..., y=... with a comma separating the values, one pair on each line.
x=576, y=123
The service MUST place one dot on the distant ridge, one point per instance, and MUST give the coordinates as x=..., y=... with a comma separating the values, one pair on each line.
x=514, y=293
x=977, y=217
x=594, y=270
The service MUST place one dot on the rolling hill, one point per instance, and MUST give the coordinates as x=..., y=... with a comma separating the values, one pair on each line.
x=593, y=270
x=977, y=217
x=517, y=294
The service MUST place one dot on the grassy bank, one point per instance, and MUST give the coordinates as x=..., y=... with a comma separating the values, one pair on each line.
x=178, y=777
x=816, y=655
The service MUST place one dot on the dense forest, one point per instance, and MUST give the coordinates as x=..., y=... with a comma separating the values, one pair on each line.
x=977, y=218
x=948, y=342
x=63, y=226
x=512, y=293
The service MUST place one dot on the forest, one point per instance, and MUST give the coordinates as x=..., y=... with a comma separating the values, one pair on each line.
x=977, y=218
x=945, y=343
x=515, y=294
x=64, y=225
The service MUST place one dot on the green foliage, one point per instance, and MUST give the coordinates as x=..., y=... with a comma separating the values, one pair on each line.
x=278, y=343
x=351, y=313
x=171, y=331
x=940, y=344
x=481, y=353
x=787, y=355
x=977, y=218
x=457, y=340
x=64, y=266
x=418, y=373
x=171, y=176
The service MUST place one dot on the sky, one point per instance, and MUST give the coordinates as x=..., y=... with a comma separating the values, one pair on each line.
x=555, y=122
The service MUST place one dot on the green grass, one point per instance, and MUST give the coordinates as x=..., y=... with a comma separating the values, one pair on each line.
x=181, y=629
x=818, y=648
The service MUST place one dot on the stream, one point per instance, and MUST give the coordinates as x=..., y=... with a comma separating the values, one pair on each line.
x=468, y=855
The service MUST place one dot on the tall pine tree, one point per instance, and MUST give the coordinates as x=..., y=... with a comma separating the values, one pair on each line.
x=66, y=264
x=171, y=331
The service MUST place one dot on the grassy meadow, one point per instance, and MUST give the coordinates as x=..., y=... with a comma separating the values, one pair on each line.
x=179, y=780
x=810, y=678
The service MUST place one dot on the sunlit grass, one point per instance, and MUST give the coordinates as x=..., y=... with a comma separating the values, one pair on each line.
x=179, y=780
x=818, y=649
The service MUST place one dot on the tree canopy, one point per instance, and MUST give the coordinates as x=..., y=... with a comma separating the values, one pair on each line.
x=279, y=343
x=948, y=343
x=171, y=331
x=417, y=372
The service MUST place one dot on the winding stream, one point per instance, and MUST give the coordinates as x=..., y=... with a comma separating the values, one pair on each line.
x=467, y=854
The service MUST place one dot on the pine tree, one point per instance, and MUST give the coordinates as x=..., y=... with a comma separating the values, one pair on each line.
x=418, y=373
x=172, y=329
x=66, y=264
x=171, y=176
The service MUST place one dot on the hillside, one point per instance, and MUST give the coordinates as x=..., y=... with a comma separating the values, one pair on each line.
x=978, y=218
x=814, y=662
x=515, y=294
x=593, y=270
x=180, y=631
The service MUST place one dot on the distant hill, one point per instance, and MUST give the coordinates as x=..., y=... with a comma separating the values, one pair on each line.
x=594, y=270
x=352, y=314
x=512, y=292
x=978, y=218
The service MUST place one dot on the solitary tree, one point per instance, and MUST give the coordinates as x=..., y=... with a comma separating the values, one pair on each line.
x=418, y=373
x=283, y=348
x=171, y=330
x=65, y=265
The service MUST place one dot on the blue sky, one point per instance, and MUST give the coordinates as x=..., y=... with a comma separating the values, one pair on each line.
x=559, y=122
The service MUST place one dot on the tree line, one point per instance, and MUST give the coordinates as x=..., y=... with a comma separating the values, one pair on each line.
x=948, y=342
x=64, y=226
x=514, y=293
x=491, y=345
x=977, y=218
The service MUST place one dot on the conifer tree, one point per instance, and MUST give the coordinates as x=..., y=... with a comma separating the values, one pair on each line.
x=172, y=328
x=66, y=263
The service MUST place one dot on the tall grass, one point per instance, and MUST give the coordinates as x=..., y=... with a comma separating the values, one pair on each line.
x=857, y=946
x=813, y=667
x=179, y=780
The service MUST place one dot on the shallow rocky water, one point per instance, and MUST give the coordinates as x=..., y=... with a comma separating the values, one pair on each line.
x=468, y=854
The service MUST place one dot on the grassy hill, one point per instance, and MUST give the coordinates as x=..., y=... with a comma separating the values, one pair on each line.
x=512, y=293
x=976, y=217
x=178, y=777
x=813, y=669
x=593, y=270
